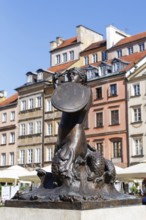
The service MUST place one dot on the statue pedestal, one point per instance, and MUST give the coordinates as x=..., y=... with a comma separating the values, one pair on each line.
x=133, y=212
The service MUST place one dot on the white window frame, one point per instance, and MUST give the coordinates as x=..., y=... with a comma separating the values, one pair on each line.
x=37, y=155
x=136, y=89
x=4, y=138
x=38, y=101
x=86, y=60
x=71, y=55
x=4, y=117
x=3, y=159
x=137, y=114
x=30, y=128
x=12, y=137
x=49, y=153
x=31, y=103
x=11, y=158
x=22, y=156
x=49, y=129
x=23, y=105
x=22, y=129
x=95, y=58
x=38, y=127
x=64, y=57
x=138, y=146
x=30, y=156
x=12, y=116
x=58, y=59
x=49, y=106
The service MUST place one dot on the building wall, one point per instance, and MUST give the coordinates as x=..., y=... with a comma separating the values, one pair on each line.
x=137, y=128
x=108, y=132
x=8, y=127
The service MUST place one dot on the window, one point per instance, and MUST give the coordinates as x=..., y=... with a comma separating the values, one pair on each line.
x=23, y=105
x=114, y=117
x=12, y=116
x=12, y=137
x=138, y=146
x=4, y=139
x=137, y=114
x=30, y=128
x=37, y=155
x=40, y=76
x=95, y=58
x=119, y=53
x=71, y=55
x=38, y=127
x=49, y=106
x=136, y=89
x=30, y=103
x=117, y=148
x=29, y=155
x=130, y=50
x=86, y=59
x=99, y=93
x=4, y=117
x=103, y=55
x=38, y=102
x=113, y=90
x=29, y=78
x=49, y=129
x=3, y=159
x=49, y=154
x=57, y=59
x=141, y=47
x=64, y=57
x=22, y=157
x=99, y=119
x=99, y=146
x=22, y=129
x=11, y=158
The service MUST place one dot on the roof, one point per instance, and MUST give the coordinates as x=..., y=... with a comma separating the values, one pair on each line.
x=9, y=100
x=67, y=43
x=61, y=67
x=130, y=39
x=95, y=45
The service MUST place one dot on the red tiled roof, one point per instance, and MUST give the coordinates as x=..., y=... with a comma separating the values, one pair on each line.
x=130, y=39
x=95, y=45
x=9, y=100
x=61, y=67
x=66, y=43
x=135, y=57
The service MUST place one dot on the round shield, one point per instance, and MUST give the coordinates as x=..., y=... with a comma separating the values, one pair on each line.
x=70, y=97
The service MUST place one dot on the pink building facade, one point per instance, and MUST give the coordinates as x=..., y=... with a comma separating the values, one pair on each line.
x=107, y=120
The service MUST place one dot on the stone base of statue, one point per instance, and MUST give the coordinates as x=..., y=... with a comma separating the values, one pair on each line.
x=126, y=212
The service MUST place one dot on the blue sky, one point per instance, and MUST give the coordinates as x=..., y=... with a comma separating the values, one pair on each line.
x=28, y=26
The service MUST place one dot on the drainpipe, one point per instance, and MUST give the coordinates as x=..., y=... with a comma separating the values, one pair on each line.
x=127, y=123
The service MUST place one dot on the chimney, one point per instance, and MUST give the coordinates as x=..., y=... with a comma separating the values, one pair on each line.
x=59, y=41
x=3, y=95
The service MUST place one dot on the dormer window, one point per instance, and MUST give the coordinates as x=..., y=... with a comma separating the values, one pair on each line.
x=130, y=50
x=119, y=53
x=29, y=78
x=58, y=59
x=40, y=76
x=86, y=58
x=64, y=57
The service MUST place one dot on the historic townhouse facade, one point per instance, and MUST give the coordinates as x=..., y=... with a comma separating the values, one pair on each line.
x=31, y=110
x=136, y=85
x=8, y=131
